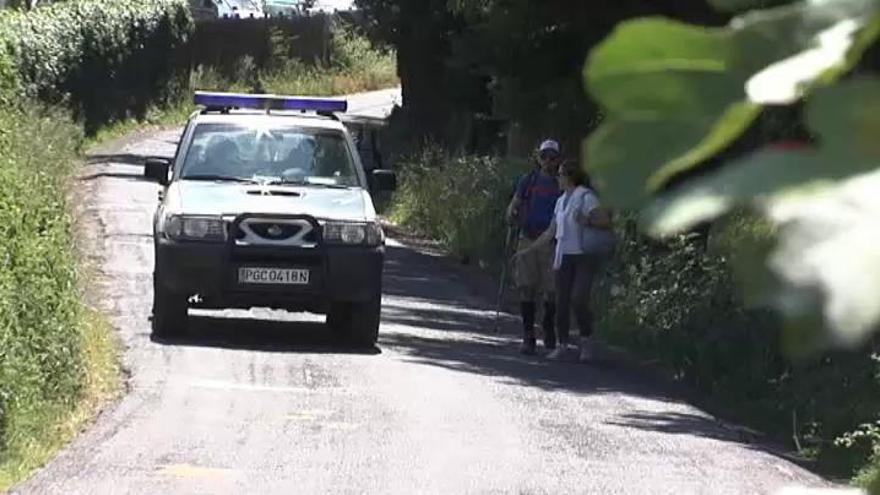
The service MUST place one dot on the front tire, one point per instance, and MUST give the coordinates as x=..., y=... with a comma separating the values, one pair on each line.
x=356, y=323
x=169, y=311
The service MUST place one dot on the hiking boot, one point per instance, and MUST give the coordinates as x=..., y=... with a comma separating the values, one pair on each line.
x=549, y=326
x=528, y=347
x=588, y=350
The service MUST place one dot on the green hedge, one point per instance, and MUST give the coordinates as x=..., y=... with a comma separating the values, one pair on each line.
x=109, y=59
x=41, y=363
x=105, y=60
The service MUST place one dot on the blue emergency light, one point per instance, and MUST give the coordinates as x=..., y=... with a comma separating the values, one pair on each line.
x=268, y=102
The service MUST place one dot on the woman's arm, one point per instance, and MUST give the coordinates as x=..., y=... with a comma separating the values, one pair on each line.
x=599, y=218
x=542, y=240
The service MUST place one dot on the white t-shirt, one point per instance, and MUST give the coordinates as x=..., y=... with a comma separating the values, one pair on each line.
x=569, y=233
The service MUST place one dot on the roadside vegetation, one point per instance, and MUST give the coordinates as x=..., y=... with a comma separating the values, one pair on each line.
x=64, y=71
x=354, y=65
x=73, y=74
x=690, y=288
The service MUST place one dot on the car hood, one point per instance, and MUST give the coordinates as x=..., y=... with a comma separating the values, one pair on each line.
x=220, y=198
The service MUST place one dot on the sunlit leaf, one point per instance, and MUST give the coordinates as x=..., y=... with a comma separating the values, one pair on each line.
x=828, y=261
x=786, y=80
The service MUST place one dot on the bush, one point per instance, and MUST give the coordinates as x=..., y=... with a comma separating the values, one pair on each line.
x=41, y=363
x=675, y=302
x=108, y=59
x=459, y=201
x=354, y=66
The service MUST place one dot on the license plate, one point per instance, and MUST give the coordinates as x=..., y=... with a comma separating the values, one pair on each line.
x=275, y=276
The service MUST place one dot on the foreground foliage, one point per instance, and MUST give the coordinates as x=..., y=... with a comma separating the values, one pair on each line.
x=819, y=269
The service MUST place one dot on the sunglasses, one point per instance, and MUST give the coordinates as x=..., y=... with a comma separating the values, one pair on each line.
x=548, y=155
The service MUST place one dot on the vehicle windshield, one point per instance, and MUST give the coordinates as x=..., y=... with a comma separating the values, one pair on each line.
x=282, y=155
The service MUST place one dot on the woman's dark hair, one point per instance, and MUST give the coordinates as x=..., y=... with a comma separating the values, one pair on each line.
x=576, y=173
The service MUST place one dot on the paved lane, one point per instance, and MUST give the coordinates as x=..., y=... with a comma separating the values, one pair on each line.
x=264, y=402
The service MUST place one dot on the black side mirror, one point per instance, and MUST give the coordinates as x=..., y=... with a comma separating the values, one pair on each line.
x=157, y=169
x=384, y=180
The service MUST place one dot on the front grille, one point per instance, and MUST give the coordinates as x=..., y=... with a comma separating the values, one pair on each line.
x=275, y=231
x=271, y=231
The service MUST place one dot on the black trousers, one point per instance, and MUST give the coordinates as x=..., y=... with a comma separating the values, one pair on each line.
x=574, y=283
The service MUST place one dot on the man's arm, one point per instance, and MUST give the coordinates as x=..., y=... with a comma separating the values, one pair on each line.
x=513, y=208
x=516, y=201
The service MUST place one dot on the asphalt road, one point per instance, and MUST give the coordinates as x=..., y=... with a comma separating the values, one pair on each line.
x=264, y=402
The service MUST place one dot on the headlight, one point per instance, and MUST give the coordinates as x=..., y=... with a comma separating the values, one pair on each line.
x=194, y=228
x=351, y=233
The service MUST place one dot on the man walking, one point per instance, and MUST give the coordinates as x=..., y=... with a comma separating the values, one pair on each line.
x=532, y=209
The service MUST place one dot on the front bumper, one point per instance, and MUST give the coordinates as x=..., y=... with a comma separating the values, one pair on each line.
x=210, y=270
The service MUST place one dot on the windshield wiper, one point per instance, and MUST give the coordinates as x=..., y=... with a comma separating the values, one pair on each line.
x=301, y=182
x=219, y=178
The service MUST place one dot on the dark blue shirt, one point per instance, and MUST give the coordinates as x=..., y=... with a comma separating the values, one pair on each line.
x=538, y=193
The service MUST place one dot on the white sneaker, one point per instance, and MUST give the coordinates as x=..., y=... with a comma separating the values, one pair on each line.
x=559, y=353
x=588, y=350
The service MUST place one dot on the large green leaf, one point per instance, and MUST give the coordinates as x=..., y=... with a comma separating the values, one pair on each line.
x=847, y=119
x=657, y=67
x=642, y=144
x=652, y=75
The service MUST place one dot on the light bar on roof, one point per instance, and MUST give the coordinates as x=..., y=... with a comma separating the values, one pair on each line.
x=268, y=102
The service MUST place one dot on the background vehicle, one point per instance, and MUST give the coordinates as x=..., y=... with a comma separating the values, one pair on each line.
x=226, y=9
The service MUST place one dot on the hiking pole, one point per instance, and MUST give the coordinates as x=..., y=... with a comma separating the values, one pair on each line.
x=512, y=233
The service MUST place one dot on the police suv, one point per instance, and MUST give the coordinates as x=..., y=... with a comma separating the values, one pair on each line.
x=266, y=204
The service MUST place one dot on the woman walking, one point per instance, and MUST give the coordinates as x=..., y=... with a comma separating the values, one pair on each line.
x=582, y=231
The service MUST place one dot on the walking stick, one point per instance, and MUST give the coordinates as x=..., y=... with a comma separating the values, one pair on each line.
x=512, y=233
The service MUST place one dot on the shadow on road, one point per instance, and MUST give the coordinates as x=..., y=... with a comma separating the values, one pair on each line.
x=457, y=331
x=254, y=334
x=683, y=424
